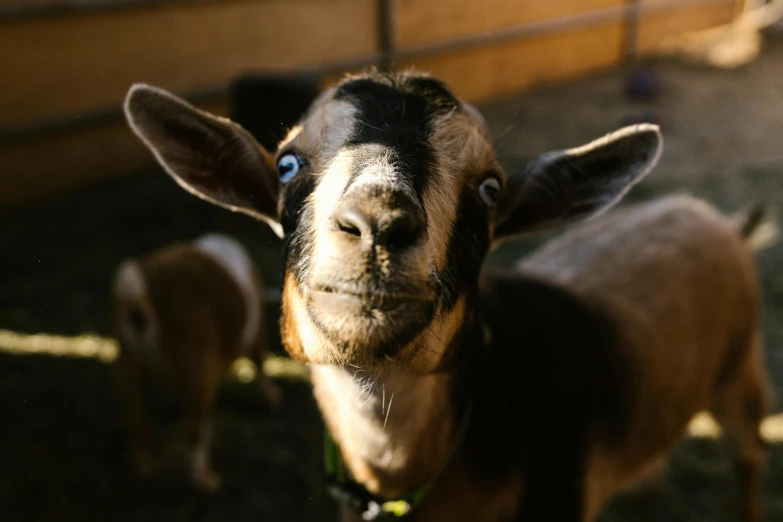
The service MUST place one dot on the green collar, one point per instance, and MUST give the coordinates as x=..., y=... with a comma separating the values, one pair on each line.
x=370, y=506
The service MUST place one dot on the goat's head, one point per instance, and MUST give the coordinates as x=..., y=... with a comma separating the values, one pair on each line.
x=388, y=195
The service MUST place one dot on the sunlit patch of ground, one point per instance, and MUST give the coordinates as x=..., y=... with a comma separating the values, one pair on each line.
x=244, y=370
x=704, y=425
x=87, y=345
x=106, y=350
x=66, y=449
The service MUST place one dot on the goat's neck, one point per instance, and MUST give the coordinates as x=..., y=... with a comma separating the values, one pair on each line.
x=394, y=430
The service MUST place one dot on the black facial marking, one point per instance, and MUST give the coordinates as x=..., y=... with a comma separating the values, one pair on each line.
x=296, y=220
x=396, y=111
x=468, y=245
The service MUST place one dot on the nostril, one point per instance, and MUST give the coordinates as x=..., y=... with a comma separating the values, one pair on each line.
x=402, y=232
x=353, y=223
x=384, y=219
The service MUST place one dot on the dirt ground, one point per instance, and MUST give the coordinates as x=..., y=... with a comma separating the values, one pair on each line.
x=61, y=448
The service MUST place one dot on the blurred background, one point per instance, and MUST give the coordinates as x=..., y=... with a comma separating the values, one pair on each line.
x=79, y=193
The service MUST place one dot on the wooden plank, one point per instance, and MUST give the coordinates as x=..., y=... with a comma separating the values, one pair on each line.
x=36, y=6
x=657, y=26
x=40, y=167
x=49, y=81
x=60, y=65
x=494, y=70
x=419, y=22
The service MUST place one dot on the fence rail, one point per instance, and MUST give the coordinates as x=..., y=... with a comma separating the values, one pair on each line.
x=55, y=87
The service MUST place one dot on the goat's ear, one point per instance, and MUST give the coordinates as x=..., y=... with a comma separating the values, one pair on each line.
x=211, y=157
x=566, y=186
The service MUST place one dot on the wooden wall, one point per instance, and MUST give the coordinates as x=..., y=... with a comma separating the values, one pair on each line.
x=63, y=63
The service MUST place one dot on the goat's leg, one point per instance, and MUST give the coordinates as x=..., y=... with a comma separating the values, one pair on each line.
x=137, y=423
x=266, y=385
x=197, y=423
x=269, y=389
x=740, y=407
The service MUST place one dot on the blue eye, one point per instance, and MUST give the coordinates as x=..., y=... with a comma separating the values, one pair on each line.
x=287, y=167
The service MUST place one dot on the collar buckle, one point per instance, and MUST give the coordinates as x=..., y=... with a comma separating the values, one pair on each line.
x=362, y=502
x=386, y=511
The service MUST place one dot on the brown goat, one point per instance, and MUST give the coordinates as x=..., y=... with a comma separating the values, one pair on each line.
x=183, y=315
x=533, y=394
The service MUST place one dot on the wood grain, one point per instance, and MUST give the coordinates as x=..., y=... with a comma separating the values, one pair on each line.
x=494, y=70
x=53, y=164
x=60, y=65
x=418, y=22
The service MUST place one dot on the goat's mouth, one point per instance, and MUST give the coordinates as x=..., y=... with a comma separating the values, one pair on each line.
x=367, y=321
x=367, y=299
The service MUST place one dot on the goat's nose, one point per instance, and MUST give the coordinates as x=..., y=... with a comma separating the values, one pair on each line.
x=391, y=220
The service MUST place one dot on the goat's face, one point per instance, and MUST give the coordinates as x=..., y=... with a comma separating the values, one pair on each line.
x=388, y=219
x=388, y=195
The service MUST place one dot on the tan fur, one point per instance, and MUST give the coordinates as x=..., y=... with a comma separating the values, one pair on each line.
x=194, y=324
x=461, y=147
x=385, y=427
x=690, y=281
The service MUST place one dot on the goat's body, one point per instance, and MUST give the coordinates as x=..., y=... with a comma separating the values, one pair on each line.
x=183, y=315
x=603, y=344
x=192, y=303
x=600, y=372
x=678, y=284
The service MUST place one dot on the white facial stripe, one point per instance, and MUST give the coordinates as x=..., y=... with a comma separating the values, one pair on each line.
x=231, y=255
x=381, y=171
x=328, y=192
x=332, y=188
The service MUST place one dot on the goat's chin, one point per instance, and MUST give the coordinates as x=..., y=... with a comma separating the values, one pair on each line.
x=371, y=330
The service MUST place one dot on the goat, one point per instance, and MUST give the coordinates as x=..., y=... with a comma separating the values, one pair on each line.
x=524, y=395
x=182, y=315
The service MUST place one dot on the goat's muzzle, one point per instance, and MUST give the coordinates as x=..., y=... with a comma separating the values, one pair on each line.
x=373, y=290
